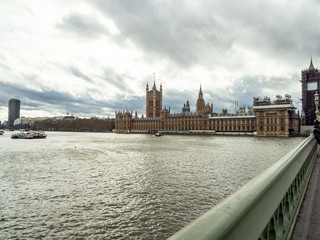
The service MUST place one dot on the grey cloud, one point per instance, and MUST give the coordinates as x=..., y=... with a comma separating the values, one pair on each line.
x=284, y=31
x=120, y=103
x=5, y=67
x=204, y=33
x=247, y=87
x=244, y=89
x=17, y=91
x=175, y=99
x=48, y=101
x=122, y=82
x=87, y=26
x=31, y=78
x=167, y=29
x=75, y=71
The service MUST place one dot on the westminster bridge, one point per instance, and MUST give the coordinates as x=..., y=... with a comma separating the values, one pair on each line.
x=280, y=203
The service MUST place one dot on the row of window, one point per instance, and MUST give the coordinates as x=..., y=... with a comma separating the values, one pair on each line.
x=272, y=128
x=237, y=128
x=217, y=122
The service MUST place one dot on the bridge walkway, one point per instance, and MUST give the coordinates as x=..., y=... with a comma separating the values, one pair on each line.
x=308, y=224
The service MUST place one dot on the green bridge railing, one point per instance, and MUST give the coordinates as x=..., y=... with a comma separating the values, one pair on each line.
x=265, y=208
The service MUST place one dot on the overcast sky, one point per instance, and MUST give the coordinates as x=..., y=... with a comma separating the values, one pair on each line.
x=97, y=56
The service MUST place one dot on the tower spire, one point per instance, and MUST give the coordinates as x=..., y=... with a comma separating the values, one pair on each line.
x=154, y=82
x=200, y=93
x=311, y=67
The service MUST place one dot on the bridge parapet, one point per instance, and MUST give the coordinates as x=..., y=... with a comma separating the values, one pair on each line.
x=265, y=208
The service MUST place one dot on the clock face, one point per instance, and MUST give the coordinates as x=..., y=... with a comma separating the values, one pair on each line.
x=312, y=86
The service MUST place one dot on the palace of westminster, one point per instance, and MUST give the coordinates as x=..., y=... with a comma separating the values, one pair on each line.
x=264, y=118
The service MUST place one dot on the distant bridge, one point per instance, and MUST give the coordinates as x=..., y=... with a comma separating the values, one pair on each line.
x=266, y=207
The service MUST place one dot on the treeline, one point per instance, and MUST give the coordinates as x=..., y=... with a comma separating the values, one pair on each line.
x=79, y=125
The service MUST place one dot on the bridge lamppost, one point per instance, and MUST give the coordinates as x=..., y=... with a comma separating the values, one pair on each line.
x=316, y=102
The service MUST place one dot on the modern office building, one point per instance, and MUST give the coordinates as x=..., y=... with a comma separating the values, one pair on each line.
x=13, y=111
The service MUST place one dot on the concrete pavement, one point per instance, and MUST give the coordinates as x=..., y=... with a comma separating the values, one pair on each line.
x=308, y=224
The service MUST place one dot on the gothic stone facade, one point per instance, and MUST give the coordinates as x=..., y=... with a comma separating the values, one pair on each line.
x=153, y=101
x=310, y=83
x=276, y=119
x=270, y=119
x=232, y=123
x=161, y=119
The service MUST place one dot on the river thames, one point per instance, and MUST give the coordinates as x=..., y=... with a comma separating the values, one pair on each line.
x=112, y=186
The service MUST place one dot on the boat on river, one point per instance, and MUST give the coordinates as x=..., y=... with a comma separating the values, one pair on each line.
x=158, y=134
x=39, y=134
x=22, y=135
x=29, y=135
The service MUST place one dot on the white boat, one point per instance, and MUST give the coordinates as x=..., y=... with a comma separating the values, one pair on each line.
x=29, y=135
x=38, y=134
x=22, y=135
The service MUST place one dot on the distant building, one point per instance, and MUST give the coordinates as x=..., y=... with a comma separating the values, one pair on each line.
x=266, y=118
x=200, y=102
x=22, y=121
x=28, y=121
x=277, y=118
x=202, y=120
x=153, y=101
x=161, y=119
x=250, y=110
x=233, y=111
x=60, y=118
x=224, y=111
x=57, y=118
x=186, y=107
x=232, y=123
x=69, y=118
x=13, y=111
x=242, y=109
x=310, y=83
x=39, y=119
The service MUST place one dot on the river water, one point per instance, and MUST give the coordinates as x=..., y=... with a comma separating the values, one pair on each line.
x=113, y=186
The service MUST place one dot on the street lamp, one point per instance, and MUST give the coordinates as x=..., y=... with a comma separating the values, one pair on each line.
x=316, y=103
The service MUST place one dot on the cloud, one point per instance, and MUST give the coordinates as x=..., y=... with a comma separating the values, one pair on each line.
x=52, y=102
x=103, y=52
x=247, y=87
x=227, y=34
x=87, y=26
x=163, y=31
x=119, y=81
x=75, y=71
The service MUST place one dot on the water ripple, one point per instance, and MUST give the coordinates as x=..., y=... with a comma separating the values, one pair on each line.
x=108, y=186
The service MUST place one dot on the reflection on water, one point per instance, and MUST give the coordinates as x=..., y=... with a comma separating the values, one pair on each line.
x=109, y=186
